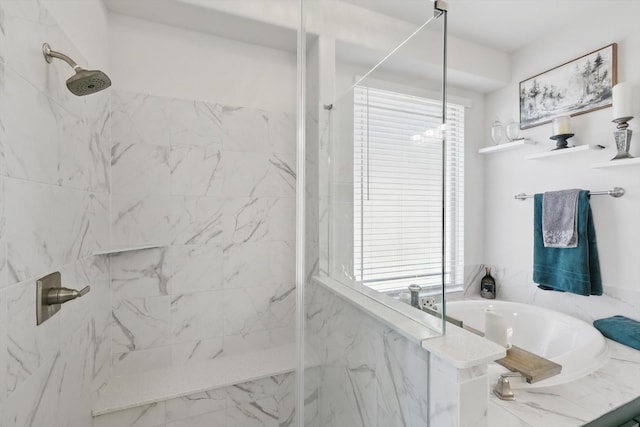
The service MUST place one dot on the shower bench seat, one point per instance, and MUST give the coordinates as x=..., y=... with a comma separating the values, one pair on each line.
x=147, y=388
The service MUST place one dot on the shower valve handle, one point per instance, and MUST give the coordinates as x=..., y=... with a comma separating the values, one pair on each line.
x=62, y=295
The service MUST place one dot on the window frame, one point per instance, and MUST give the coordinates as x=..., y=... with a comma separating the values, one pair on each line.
x=453, y=183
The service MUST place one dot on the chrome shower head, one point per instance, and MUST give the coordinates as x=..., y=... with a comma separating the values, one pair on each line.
x=84, y=82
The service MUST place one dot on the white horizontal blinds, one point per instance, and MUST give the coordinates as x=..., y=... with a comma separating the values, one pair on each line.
x=398, y=189
x=454, y=196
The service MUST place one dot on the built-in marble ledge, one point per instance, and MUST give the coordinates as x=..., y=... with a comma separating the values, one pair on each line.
x=457, y=347
x=462, y=349
x=130, y=391
x=120, y=249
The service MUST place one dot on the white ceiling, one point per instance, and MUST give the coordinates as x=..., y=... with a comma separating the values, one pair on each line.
x=505, y=25
x=208, y=16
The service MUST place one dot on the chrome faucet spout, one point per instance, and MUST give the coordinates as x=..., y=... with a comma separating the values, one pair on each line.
x=415, y=295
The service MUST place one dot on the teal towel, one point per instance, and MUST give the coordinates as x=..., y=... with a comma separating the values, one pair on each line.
x=575, y=270
x=621, y=329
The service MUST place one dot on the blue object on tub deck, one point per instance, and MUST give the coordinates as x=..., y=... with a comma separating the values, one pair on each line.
x=575, y=270
x=621, y=329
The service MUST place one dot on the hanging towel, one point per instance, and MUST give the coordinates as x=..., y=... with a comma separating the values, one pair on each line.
x=621, y=329
x=560, y=219
x=575, y=270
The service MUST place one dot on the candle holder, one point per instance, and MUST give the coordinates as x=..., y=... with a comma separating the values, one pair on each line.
x=561, y=131
x=623, y=138
x=561, y=140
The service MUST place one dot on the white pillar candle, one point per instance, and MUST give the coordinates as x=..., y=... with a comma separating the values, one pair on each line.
x=622, y=102
x=561, y=125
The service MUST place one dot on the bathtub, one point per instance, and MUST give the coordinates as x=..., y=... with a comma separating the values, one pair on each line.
x=571, y=342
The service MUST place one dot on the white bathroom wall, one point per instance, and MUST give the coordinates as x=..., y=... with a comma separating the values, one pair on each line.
x=508, y=242
x=54, y=180
x=87, y=24
x=167, y=61
x=213, y=181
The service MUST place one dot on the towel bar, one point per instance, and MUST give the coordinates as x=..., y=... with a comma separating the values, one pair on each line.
x=614, y=192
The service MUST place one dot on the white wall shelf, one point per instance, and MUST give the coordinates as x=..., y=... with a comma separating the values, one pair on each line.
x=617, y=163
x=565, y=152
x=507, y=146
x=121, y=249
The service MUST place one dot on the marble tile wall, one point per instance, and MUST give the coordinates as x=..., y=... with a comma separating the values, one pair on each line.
x=268, y=402
x=369, y=375
x=215, y=185
x=54, y=213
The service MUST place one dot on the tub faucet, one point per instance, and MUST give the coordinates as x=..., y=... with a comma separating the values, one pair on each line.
x=503, y=387
x=415, y=295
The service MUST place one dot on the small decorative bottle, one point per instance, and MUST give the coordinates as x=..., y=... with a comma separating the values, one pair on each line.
x=488, y=285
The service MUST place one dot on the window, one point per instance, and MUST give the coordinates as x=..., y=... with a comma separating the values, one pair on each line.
x=398, y=191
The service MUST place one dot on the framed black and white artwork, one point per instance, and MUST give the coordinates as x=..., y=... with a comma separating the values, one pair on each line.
x=576, y=87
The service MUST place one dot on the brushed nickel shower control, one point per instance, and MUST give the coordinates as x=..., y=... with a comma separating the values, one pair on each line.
x=50, y=295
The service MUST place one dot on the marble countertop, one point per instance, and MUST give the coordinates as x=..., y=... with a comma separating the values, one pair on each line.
x=575, y=403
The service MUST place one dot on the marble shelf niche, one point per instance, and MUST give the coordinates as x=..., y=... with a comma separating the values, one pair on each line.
x=121, y=249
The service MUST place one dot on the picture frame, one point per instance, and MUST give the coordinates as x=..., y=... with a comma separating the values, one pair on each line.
x=576, y=87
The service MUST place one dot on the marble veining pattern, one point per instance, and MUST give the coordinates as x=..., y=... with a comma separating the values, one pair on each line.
x=3, y=230
x=259, y=340
x=369, y=374
x=195, y=123
x=215, y=185
x=141, y=323
x=263, y=403
x=196, y=171
x=578, y=402
x=54, y=213
x=197, y=351
x=140, y=119
x=244, y=129
x=52, y=373
x=35, y=248
x=197, y=316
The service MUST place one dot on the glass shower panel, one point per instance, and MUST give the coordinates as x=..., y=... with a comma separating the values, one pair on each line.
x=381, y=161
x=376, y=216
x=372, y=195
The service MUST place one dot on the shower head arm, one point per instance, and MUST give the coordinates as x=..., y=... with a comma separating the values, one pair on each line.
x=48, y=54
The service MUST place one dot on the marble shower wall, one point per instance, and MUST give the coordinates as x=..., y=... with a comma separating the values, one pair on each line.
x=215, y=186
x=368, y=375
x=54, y=213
